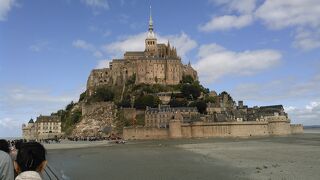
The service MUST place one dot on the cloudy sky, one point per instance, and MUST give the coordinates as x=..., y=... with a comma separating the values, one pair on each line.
x=264, y=52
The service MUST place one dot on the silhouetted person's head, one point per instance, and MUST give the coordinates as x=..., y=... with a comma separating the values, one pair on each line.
x=31, y=157
x=4, y=146
x=17, y=144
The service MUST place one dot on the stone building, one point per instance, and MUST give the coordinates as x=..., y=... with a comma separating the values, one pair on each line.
x=165, y=97
x=265, y=121
x=45, y=127
x=29, y=131
x=160, y=117
x=158, y=64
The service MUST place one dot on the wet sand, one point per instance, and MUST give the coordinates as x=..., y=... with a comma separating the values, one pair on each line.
x=76, y=144
x=292, y=157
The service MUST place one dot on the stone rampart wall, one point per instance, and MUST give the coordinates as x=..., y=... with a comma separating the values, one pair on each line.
x=234, y=129
x=279, y=128
x=296, y=128
x=145, y=133
x=223, y=129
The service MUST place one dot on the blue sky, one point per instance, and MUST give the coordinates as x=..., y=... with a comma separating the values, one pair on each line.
x=261, y=51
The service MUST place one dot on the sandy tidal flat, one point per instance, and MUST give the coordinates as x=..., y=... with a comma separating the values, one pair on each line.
x=280, y=158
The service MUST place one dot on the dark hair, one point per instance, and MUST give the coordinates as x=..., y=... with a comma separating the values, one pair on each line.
x=30, y=156
x=4, y=146
x=17, y=144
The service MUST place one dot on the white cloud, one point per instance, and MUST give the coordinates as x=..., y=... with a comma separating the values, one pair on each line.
x=293, y=93
x=97, y=3
x=290, y=89
x=308, y=115
x=300, y=15
x=5, y=7
x=9, y=123
x=81, y=44
x=19, y=96
x=19, y=104
x=128, y=43
x=103, y=64
x=39, y=46
x=307, y=39
x=286, y=13
x=241, y=6
x=226, y=22
x=216, y=61
x=181, y=41
x=303, y=16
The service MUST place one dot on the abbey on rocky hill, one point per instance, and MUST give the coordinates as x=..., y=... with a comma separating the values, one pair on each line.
x=157, y=64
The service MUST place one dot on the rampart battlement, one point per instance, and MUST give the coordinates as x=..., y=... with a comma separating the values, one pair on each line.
x=177, y=129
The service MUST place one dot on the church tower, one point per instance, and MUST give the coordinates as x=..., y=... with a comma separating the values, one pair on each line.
x=151, y=40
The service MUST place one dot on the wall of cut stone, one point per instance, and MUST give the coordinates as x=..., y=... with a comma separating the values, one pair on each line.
x=296, y=128
x=244, y=129
x=224, y=129
x=145, y=133
x=279, y=128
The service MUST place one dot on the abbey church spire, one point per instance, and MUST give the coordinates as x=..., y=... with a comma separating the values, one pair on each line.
x=150, y=31
x=151, y=40
x=150, y=22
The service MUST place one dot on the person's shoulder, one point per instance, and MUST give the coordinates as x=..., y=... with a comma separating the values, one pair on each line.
x=4, y=156
x=29, y=175
x=2, y=153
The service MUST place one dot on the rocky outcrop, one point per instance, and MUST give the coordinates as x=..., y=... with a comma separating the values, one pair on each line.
x=97, y=119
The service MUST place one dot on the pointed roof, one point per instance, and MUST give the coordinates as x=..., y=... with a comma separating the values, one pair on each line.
x=31, y=121
x=150, y=20
x=150, y=32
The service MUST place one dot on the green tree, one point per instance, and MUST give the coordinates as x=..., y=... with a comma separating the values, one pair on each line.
x=126, y=102
x=69, y=106
x=190, y=91
x=75, y=116
x=187, y=79
x=82, y=96
x=147, y=100
x=178, y=102
x=102, y=94
x=201, y=106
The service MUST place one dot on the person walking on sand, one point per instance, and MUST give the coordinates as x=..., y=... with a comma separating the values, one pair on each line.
x=31, y=161
x=6, y=165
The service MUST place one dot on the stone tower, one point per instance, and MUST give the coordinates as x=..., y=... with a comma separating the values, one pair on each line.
x=175, y=125
x=151, y=40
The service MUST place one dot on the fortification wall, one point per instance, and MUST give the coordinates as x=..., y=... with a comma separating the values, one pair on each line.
x=279, y=128
x=145, y=133
x=233, y=129
x=223, y=129
x=296, y=128
x=175, y=129
x=249, y=129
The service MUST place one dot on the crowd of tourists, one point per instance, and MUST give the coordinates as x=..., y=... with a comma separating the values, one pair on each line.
x=94, y=138
x=21, y=160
